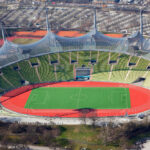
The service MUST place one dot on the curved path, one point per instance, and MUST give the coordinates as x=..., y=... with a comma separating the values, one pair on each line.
x=15, y=100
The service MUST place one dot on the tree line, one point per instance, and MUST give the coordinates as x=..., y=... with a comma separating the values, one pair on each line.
x=124, y=136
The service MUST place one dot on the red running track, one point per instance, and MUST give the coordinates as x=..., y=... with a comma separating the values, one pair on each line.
x=15, y=100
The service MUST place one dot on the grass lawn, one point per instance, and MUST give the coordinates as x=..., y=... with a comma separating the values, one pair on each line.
x=79, y=97
x=82, y=136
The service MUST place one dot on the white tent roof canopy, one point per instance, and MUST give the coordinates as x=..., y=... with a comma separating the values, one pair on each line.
x=51, y=43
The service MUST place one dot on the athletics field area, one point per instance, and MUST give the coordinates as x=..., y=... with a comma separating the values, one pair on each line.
x=77, y=98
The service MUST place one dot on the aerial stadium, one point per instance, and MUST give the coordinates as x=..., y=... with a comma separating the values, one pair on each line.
x=91, y=75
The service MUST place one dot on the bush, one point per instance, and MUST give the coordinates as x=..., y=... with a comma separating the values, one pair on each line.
x=17, y=128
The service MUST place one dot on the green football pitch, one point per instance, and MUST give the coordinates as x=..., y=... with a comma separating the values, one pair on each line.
x=79, y=97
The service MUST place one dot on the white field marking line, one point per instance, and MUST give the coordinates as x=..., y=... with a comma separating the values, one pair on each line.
x=35, y=99
x=78, y=97
x=44, y=99
x=115, y=92
x=34, y=96
x=32, y=99
x=126, y=97
x=111, y=98
x=121, y=98
x=126, y=101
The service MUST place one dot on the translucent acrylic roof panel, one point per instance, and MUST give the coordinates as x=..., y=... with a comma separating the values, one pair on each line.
x=51, y=43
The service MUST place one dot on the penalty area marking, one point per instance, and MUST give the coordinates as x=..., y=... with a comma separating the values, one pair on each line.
x=122, y=96
x=33, y=98
x=78, y=98
x=126, y=90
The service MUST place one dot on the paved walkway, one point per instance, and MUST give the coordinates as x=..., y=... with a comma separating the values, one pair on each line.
x=62, y=121
x=146, y=145
x=32, y=147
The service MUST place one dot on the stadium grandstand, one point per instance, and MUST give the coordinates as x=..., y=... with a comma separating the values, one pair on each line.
x=53, y=56
x=93, y=56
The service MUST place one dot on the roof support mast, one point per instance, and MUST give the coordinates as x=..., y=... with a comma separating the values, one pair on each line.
x=3, y=35
x=47, y=24
x=141, y=22
x=141, y=28
x=95, y=25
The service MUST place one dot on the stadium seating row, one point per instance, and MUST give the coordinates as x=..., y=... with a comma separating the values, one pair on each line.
x=106, y=66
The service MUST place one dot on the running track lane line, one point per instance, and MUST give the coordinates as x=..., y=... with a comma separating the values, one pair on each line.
x=140, y=100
